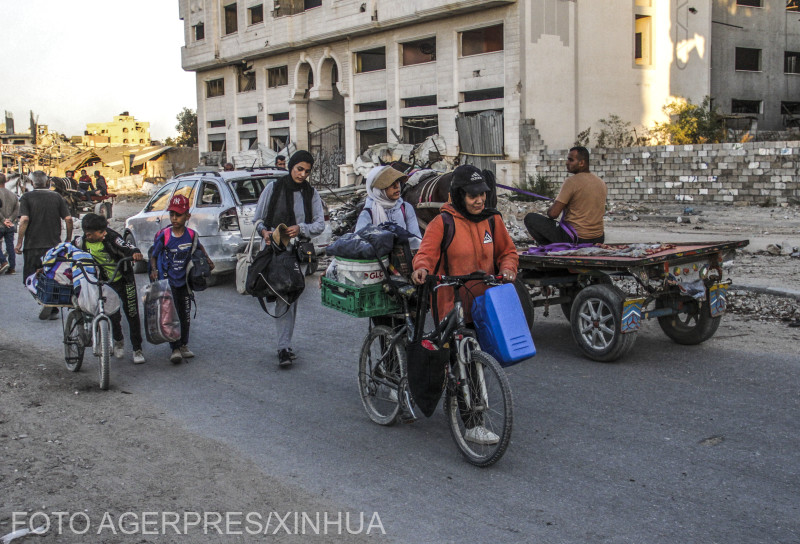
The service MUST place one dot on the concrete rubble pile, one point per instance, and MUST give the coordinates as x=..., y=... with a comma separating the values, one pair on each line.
x=765, y=308
x=428, y=154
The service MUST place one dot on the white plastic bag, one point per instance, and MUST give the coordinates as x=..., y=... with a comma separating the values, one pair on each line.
x=89, y=298
x=243, y=261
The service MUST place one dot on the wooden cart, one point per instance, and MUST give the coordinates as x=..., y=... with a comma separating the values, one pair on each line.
x=680, y=284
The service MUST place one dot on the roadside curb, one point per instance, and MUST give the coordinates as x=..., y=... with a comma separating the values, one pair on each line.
x=764, y=290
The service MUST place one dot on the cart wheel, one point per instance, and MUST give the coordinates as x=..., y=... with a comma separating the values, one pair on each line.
x=573, y=290
x=596, y=318
x=525, y=299
x=691, y=325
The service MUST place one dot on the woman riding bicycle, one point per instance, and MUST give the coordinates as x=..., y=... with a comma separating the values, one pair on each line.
x=479, y=241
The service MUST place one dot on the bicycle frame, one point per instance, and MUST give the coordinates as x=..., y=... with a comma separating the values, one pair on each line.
x=101, y=313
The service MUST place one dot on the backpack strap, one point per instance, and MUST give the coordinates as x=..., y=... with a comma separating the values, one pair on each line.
x=449, y=232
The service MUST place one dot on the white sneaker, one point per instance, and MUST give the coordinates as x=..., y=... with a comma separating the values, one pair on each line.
x=186, y=353
x=138, y=357
x=481, y=435
x=119, y=349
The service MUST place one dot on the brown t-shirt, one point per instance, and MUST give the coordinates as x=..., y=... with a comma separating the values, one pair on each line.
x=584, y=198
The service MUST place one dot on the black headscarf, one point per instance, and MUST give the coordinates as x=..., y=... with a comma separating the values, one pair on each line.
x=463, y=177
x=283, y=212
x=300, y=156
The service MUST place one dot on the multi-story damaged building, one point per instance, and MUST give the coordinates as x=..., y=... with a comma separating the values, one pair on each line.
x=495, y=78
x=755, y=61
x=123, y=130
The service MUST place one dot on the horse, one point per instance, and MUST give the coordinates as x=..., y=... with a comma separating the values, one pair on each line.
x=18, y=184
x=428, y=190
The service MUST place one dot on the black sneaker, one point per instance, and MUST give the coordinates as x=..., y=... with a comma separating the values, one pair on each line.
x=284, y=358
x=47, y=312
x=292, y=355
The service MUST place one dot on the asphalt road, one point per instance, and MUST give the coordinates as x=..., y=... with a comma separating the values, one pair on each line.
x=673, y=444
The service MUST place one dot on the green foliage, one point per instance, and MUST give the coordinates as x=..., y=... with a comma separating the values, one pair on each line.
x=540, y=186
x=614, y=132
x=690, y=123
x=187, y=128
x=170, y=141
x=582, y=139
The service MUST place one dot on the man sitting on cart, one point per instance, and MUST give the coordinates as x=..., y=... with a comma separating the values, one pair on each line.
x=582, y=199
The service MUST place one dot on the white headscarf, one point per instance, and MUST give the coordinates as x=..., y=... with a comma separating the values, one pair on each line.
x=378, y=197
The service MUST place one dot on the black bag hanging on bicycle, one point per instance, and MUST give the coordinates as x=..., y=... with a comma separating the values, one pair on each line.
x=427, y=363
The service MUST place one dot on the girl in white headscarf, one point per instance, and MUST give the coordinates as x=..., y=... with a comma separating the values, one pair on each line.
x=385, y=204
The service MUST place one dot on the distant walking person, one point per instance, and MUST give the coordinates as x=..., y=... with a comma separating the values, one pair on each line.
x=40, y=215
x=9, y=211
x=582, y=199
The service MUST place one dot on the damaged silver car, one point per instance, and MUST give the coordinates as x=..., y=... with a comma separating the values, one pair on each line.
x=222, y=209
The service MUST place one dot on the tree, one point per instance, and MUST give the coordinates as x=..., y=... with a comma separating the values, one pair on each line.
x=187, y=128
x=690, y=123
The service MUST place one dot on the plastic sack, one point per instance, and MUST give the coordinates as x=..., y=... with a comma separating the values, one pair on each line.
x=89, y=299
x=161, y=323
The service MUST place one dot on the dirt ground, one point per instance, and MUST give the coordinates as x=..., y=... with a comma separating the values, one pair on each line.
x=69, y=448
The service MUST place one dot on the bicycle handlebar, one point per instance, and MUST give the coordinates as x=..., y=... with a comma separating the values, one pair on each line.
x=84, y=262
x=461, y=280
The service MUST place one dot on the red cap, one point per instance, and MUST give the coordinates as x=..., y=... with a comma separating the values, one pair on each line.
x=178, y=204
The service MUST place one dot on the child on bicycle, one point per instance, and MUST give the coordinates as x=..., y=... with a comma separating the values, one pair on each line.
x=172, y=253
x=108, y=247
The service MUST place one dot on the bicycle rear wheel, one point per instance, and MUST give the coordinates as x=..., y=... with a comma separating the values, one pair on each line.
x=379, y=375
x=104, y=337
x=73, y=340
x=481, y=425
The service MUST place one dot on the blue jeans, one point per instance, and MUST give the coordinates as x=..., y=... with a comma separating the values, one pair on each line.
x=7, y=234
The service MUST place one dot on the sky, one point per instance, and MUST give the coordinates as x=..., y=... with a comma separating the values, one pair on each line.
x=84, y=61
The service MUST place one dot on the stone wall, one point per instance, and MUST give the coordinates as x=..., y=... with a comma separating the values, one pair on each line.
x=739, y=173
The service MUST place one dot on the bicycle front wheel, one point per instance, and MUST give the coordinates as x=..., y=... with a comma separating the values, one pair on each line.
x=380, y=370
x=104, y=337
x=480, y=418
x=73, y=340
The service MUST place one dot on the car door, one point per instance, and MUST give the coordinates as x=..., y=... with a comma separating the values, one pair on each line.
x=150, y=220
x=209, y=220
x=248, y=191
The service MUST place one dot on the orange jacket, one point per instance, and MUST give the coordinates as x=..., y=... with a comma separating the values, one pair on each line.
x=472, y=249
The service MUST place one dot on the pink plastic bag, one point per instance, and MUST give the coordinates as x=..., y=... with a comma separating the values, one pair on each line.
x=161, y=321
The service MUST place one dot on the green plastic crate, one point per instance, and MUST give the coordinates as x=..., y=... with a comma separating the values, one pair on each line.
x=366, y=301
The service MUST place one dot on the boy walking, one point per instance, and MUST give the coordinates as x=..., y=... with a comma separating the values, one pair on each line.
x=108, y=247
x=172, y=253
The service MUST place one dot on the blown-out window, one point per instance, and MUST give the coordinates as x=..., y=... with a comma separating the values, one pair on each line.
x=278, y=76
x=256, y=14
x=215, y=87
x=371, y=60
x=748, y=59
x=231, y=19
x=791, y=62
x=482, y=40
x=419, y=51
